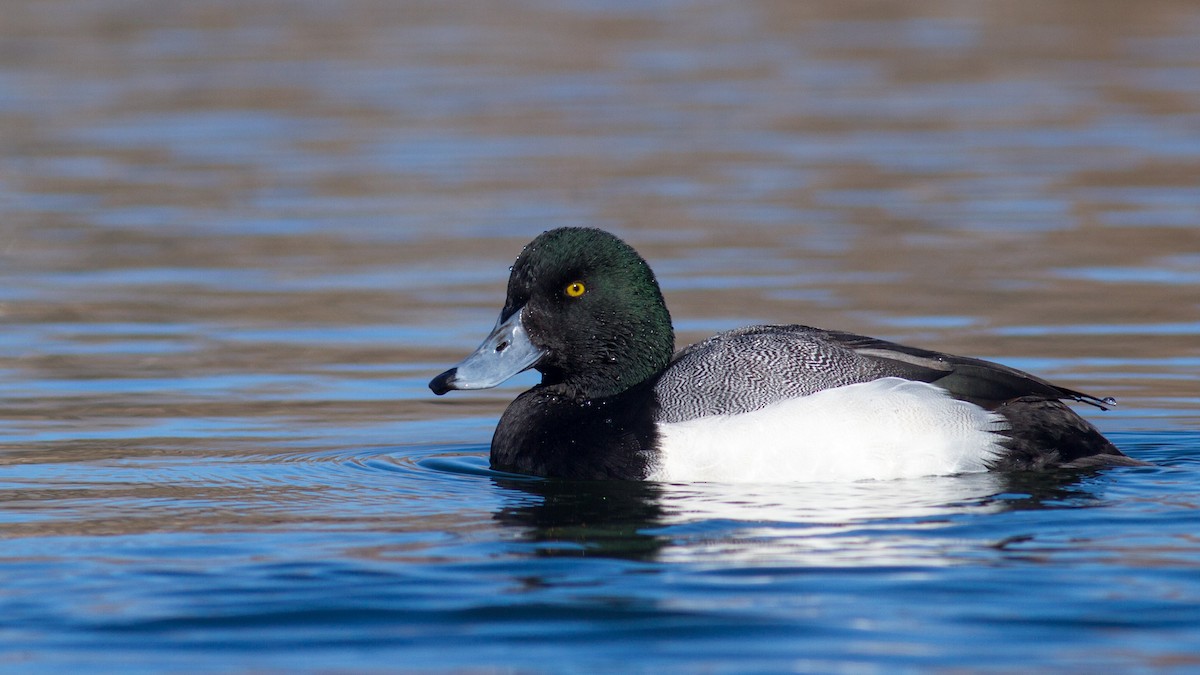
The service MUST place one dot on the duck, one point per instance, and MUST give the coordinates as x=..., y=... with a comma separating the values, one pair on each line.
x=763, y=403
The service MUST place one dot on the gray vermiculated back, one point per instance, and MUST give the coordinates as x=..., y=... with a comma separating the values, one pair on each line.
x=749, y=368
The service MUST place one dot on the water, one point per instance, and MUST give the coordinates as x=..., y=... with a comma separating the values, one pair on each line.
x=237, y=239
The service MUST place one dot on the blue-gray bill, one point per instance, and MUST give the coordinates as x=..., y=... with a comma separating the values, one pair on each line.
x=505, y=352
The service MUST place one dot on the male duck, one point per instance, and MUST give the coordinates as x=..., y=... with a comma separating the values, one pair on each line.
x=761, y=403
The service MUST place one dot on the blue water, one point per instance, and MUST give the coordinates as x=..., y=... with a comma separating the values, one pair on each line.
x=417, y=557
x=238, y=239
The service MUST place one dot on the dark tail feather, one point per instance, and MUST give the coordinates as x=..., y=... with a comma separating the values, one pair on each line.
x=1044, y=434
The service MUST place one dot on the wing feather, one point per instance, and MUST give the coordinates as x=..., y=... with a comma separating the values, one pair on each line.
x=750, y=368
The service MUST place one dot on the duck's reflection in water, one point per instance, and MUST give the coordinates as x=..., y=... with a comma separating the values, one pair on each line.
x=924, y=521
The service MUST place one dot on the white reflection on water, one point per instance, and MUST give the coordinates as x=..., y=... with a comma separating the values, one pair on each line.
x=878, y=523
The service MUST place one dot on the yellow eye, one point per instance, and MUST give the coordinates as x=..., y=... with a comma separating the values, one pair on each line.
x=575, y=289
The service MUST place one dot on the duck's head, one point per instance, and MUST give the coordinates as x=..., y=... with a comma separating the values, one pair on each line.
x=584, y=309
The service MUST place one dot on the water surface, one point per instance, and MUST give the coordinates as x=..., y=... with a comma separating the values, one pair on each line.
x=238, y=238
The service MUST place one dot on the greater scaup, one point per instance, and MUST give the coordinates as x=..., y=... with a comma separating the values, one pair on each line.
x=762, y=403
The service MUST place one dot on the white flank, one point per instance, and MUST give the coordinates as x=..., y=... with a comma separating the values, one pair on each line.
x=884, y=429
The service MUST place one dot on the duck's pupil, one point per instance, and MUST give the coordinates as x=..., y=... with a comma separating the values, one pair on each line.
x=502, y=346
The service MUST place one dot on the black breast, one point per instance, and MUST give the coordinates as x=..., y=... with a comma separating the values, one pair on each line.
x=544, y=433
